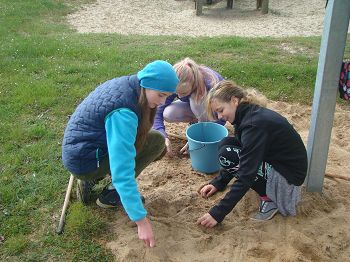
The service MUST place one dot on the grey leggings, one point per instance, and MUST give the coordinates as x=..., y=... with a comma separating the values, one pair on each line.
x=153, y=149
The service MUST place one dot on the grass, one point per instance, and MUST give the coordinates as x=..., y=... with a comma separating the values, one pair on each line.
x=47, y=68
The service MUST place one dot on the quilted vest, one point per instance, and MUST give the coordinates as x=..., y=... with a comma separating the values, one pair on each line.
x=84, y=142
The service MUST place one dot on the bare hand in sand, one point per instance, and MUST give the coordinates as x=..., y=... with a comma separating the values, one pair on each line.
x=145, y=232
x=169, y=149
x=207, y=191
x=184, y=150
x=207, y=220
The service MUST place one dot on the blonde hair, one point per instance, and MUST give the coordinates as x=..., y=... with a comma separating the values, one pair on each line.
x=190, y=72
x=225, y=90
x=147, y=115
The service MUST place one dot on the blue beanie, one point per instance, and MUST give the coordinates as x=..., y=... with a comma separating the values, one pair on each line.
x=160, y=76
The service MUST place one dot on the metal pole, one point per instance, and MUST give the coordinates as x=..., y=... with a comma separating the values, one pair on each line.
x=333, y=43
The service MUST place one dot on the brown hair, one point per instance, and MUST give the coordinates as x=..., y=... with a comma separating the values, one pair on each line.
x=225, y=90
x=189, y=71
x=146, y=120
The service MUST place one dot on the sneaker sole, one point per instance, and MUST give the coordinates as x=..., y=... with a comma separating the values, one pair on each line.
x=100, y=204
x=268, y=218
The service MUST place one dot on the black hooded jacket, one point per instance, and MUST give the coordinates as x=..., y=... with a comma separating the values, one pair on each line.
x=266, y=136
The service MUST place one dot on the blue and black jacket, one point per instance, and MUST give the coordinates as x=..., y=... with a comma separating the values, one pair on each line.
x=105, y=125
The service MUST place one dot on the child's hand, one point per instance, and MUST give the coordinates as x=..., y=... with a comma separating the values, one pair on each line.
x=145, y=232
x=207, y=220
x=169, y=149
x=207, y=191
x=184, y=150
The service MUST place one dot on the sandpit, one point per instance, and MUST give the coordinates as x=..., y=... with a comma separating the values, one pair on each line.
x=171, y=17
x=319, y=232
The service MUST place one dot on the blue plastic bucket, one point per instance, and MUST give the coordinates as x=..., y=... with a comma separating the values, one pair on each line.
x=203, y=139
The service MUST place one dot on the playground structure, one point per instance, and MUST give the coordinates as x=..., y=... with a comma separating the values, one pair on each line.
x=260, y=4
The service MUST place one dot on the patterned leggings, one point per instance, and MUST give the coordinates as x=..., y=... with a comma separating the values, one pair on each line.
x=229, y=150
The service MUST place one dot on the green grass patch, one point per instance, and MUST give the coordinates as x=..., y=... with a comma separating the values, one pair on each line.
x=82, y=222
x=15, y=245
x=47, y=69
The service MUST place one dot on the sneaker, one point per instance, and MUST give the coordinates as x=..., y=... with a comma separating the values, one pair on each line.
x=267, y=210
x=84, y=190
x=109, y=197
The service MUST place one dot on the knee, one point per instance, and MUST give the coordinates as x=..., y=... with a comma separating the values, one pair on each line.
x=229, y=141
x=225, y=141
x=229, y=156
x=156, y=141
x=229, y=152
x=168, y=114
x=222, y=151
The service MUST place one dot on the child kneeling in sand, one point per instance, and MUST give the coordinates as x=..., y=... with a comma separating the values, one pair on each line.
x=261, y=136
x=187, y=105
x=110, y=133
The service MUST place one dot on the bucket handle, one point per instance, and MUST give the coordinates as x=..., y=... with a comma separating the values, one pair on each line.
x=191, y=150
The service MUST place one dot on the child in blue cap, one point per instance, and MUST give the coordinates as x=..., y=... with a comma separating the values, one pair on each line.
x=110, y=133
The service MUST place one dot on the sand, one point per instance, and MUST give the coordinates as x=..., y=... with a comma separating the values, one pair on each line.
x=170, y=17
x=319, y=232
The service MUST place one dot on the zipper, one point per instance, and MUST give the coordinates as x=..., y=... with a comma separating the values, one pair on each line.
x=97, y=158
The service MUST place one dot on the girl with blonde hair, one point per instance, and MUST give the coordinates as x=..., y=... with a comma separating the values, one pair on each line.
x=266, y=154
x=187, y=105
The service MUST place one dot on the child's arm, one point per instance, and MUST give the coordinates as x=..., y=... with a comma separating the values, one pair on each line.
x=252, y=154
x=217, y=184
x=121, y=129
x=220, y=182
x=159, y=119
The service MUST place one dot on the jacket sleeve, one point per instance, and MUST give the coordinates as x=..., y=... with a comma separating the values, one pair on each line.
x=158, y=123
x=121, y=128
x=221, y=181
x=254, y=141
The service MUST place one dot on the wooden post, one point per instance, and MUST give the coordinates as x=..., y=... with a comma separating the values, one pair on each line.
x=60, y=227
x=258, y=4
x=199, y=6
x=264, y=6
x=335, y=30
x=230, y=4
